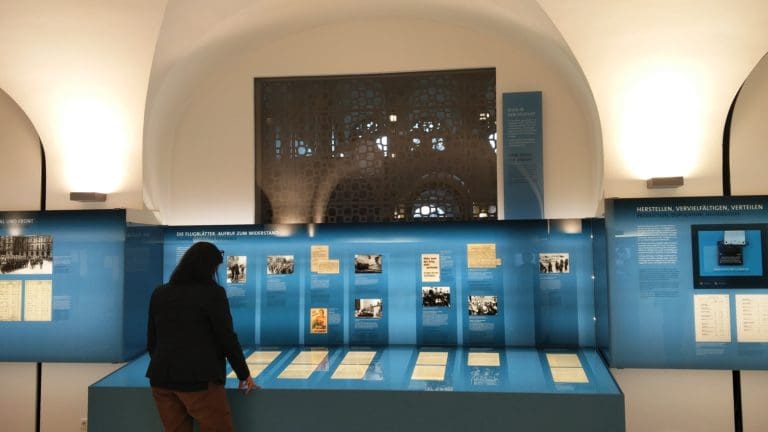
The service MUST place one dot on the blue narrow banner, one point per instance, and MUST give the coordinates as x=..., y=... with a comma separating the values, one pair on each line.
x=523, y=156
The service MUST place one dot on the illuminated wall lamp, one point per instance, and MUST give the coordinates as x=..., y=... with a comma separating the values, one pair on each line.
x=664, y=182
x=87, y=196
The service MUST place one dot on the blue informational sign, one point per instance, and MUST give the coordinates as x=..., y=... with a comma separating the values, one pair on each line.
x=404, y=284
x=79, y=283
x=687, y=278
x=523, y=155
x=66, y=279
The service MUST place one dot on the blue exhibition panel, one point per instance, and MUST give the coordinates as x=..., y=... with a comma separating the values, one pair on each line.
x=522, y=283
x=519, y=390
x=688, y=283
x=73, y=284
x=463, y=326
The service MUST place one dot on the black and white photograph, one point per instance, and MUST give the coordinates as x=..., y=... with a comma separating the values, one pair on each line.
x=483, y=305
x=280, y=264
x=368, y=263
x=436, y=296
x=26, y=254
x=554, y=263
x=368, y=308
x=236, y=266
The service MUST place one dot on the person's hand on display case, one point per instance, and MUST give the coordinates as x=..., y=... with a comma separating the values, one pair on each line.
x=247, y=385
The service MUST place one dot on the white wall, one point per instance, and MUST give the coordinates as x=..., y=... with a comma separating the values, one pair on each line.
x=749, y=135
x=664, y=75
x=21, y=160
x=212, y=157
x=80, y=69
x=754, y=395
x=18, y=396
x=57, y=54
x=662, y=400
x=64, y=401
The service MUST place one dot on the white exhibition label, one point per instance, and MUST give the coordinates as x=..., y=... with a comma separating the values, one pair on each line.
x=752, y=317
x=712, y=317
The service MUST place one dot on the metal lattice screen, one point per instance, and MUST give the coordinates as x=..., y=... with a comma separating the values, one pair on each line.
x=377, y=148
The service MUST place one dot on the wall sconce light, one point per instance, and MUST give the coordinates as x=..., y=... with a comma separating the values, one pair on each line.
x=87, y=196
x=664, y=182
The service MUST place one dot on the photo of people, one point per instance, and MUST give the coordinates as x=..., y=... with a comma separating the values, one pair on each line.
x=436, y=296
x=236, y=269
x=280, y=264
x=483, y=305
x=26, y=254
x=318, y=320
x=368, y=308
x=368, y=264
x=554, y=263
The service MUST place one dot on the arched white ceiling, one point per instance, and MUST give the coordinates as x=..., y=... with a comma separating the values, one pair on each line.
x=197, y=36
x=663, y=74
x=54, y=53
x=80, y=69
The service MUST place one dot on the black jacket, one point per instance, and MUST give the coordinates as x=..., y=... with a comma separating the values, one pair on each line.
x=189, y=336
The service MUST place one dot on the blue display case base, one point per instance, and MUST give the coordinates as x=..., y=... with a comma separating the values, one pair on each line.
x=521, y=397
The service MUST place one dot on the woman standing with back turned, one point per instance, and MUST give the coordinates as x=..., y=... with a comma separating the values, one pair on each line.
x=189, y=336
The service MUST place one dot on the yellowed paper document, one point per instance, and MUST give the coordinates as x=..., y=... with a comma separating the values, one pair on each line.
x=430, y=267
x=432, y=358
x=10, y=300
x=483, y=359
x=350, y=371
x=38, y=300
x=569, y=375
x=712, y=317
x=752, y=317
x=482, y=255
x=358, y=358
x=328, y=267
x=297, y=371
x=310, y=357
x=563, y=360
x=318, y=253
x=262, y=357
x=255, y=368
x=428, y=373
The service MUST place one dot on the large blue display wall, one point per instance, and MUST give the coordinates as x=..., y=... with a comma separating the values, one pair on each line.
x=74, y=285
x=688, y=286
x=525, y=283
x=453, y=326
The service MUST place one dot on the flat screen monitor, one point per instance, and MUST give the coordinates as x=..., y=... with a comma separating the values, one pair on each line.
x=729, y=256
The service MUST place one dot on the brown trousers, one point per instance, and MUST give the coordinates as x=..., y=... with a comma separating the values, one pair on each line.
x=209, y=407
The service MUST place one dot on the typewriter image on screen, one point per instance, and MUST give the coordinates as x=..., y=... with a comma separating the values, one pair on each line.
x=730, y=250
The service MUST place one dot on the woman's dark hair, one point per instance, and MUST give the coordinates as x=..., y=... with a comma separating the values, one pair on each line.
x=198, y=264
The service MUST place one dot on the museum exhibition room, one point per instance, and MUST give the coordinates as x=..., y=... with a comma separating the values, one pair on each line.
x=432, y=215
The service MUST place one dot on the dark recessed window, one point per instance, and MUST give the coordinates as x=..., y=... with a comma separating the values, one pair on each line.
x=376, y=148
